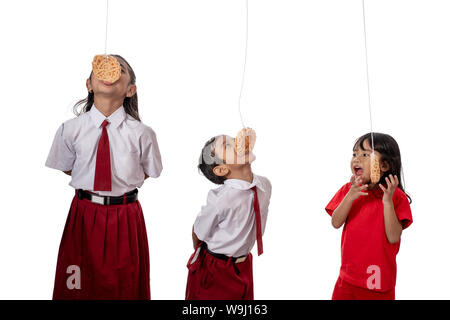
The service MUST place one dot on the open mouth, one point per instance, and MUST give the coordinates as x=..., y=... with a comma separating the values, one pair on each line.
x=358, y=170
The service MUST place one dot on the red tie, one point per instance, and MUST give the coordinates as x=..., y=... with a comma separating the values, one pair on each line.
x=102, y=180
x=258, y=222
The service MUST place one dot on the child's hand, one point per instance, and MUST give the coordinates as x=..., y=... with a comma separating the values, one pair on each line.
x=356, y=189
x=392, y=183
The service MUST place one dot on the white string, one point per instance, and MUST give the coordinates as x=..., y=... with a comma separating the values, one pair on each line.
x=106, y=27
x=245, y=62
x=367, y=73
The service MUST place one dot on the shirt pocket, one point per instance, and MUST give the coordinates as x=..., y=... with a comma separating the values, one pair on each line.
x=127, y=163
x=85, y=148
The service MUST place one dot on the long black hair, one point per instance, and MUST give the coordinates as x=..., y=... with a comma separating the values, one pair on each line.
x=390, y=153
x=208, y=161
x=130, y=104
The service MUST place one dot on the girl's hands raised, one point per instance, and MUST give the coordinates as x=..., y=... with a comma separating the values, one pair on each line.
x=357, y=188
x=391, y=185
x=340, y=214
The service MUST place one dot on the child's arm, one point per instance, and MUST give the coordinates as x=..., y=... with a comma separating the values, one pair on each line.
x=208, y=219
x=62, y=154
x=340, y=214
x=150, y=155
x=195, y=240
x=392, y=226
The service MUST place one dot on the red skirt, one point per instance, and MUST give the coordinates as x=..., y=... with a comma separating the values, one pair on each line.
x=210, y=278
x=103, y=253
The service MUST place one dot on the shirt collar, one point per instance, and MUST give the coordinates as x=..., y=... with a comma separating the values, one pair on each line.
x=245, y=185
x=115, y=119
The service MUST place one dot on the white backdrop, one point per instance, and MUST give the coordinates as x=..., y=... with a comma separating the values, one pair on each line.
x=305, y=95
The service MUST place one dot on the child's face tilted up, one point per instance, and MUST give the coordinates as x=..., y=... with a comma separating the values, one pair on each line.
x=230, y=161
x=118, y=90
x=360, y=163
x=219, y=161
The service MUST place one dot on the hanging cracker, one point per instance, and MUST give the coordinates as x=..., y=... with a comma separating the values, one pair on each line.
x=245, y=141
x=106, y=68
x=375, y=173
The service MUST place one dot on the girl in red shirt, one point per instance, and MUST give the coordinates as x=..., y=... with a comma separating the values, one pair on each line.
x=374, y=216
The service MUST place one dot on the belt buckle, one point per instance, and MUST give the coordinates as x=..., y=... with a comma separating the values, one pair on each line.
x=97, y=199
x=241, y=259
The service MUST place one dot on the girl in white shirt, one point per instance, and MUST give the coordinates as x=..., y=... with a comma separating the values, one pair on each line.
x=109, y=153
x=230, y=223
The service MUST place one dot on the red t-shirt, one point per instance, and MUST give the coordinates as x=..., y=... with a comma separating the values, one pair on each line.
x=364, y=243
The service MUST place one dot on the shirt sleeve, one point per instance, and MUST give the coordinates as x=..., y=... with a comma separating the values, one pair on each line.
x=337, y=199
x=268, y=191
x=150, y=155
x=208, y=218
x=62, y=155
x=402, y=208
x=268, y=186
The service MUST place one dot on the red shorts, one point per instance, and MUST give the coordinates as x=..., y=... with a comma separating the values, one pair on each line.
x=103, y=253
x=346, y=291
x=211, y=278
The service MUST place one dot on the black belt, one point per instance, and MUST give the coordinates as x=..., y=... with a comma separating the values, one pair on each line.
x=107, y=200
x=223, y=256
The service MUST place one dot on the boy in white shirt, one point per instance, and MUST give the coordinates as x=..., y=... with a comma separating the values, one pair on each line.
x=227, y=227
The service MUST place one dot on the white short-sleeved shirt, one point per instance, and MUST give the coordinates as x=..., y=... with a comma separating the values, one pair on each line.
x=133, y=146
x=227, y=222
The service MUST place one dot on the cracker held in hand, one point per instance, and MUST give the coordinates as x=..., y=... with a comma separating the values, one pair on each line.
x=106, y=68
x=245, y=141
x=375, y=174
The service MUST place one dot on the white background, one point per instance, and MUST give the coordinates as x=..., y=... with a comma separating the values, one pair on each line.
x=305, y=95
